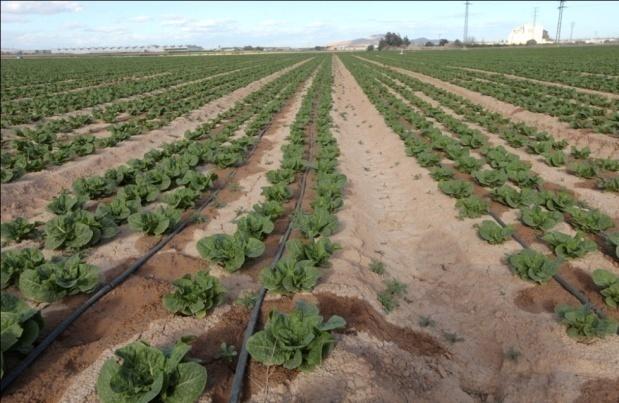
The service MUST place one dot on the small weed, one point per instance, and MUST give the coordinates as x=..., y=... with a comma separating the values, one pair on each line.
x=366, y=169
x=452, y=337
x=248, y=300
x=512, y=354
x=388, y=297
x=377, y=266
x=239, y=211
x=360, y=141
x=417, y=177
x=199, y=218
x=426, y=321
x=227, y=352
x=236, y=187
x=219, y=204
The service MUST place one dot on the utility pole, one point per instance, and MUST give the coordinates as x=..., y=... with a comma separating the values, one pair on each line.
x=535, y=16
x=465, y=37
x=572, y=31
x=558, y=35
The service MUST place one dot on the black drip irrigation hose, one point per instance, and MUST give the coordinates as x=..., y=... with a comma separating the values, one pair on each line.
x=241, y=365
x=34, y=354
x=582, y=298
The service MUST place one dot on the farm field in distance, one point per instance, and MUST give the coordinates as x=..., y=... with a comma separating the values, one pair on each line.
x=432, y=226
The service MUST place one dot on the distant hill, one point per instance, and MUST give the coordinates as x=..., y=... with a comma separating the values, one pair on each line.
x=374, y=39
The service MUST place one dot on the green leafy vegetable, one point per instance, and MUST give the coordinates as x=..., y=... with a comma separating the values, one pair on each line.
x=65, y=203
x=490, y=178
x=456, y=188
x=493, y=233
x=609, y=284
x=18, y=229
x=289, y=275
x=147, y=373
x=538, y=218
x=229, y=251
x=589, y=220
x=472, y=207
x=566, y=246
x=298, y=340
x=54, y=280
x=318, y=250
x=14, y=262
x=194, y=296
x=183, y=198
x=155, y=222
x=533, y=266
x=318, y=223
x=583, y=324
x=78, y=230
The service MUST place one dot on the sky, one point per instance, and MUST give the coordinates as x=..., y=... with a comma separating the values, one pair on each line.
x=59, y=24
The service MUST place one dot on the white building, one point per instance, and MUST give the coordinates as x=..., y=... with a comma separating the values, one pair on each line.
x=526, y=32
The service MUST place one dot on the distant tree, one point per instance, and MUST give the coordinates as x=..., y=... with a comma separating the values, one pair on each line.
x=370, y=48
x=391, y=40
x=406, y=41
x=443, y=42
x=531, y=42
x=319, y=48
x=458, y=43
x=429, y=44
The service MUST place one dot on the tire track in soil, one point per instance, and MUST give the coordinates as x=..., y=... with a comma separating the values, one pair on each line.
x=602, y=146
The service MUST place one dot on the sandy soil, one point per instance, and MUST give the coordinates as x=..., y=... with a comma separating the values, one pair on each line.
x=29, y=195
x=601, y=146
x=463, y=287
x=549, y=83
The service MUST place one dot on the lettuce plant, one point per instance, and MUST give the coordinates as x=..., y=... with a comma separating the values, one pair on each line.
x=538, y=218
x=156, y=177
x=318, y=251
x=566, y=246
x=14, y=262
x=468, y=164
x=589, y=220
x=507, y=195
x=19, y=328
x=271, y=209
x=490, y=177
x=428, y=159
x=197, y=181
x=494, y=233
x=54, y=280
x=122, y=175
x=557, y=201
x=277, y=192
x=472, y=207
x=194, y=296
x=230, y=251
x=66, y=202
x=281, y=175
x=149, y=374
x=299, y=339
x=583, y=324
x=289, y=275
x=581, y=154
x=94, y=187
x=554, y=158
x=611, y=184
x=533, y=266
x=441, y=173
x=119, y=209
x=182, y=198
x=255, y=225
x=78, y=230
x=609, y=286
x=613, y=239
x=155, y=222
x=456, y=188
x=523, y=178
x=144, y=192
x=584, y=169
x=18, y=230
x=318, y=223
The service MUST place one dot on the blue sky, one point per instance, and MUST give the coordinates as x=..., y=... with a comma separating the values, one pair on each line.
x=52, y=24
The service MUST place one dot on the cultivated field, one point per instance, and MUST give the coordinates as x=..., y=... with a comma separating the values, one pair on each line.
x=438, y=226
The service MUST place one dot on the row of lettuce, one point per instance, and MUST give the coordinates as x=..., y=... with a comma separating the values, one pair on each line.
x=297, y=340
x=78, y=226
x=580, y=110
x=35, y=149
x=460, y=175
x=577, y=161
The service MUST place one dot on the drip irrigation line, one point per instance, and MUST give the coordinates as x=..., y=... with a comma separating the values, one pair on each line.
x=34, y=354
x=582, y=298
x=239, y=373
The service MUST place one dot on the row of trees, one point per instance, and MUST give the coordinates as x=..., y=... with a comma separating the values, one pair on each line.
x=393, y=40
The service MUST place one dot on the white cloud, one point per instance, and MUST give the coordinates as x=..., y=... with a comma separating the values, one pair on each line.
x=140, y=18
x=39, y=7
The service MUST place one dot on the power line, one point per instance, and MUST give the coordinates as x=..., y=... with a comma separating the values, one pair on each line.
x=558, y=35
x=465, y=37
